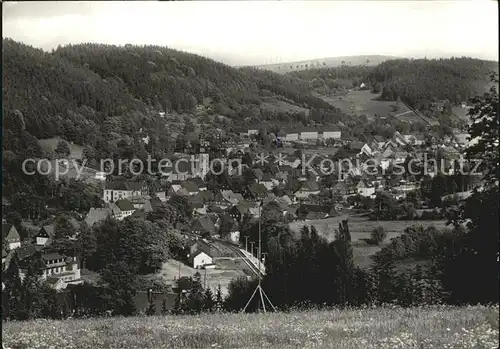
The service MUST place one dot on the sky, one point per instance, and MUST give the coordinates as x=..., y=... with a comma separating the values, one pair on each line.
x=265, y=32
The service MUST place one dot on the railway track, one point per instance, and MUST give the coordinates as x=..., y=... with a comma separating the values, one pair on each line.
x=253, y=269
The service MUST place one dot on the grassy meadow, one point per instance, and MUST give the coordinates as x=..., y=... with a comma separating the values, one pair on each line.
x=363, y=102
x=360, y=229
x=50, y=144
x=436, y=327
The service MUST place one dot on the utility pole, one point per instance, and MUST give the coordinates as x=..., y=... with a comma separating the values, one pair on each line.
x=262, y=294
x=251, y=243
x=246, y=243
x=205, y=279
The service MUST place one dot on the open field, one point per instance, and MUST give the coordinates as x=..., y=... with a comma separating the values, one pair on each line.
x=360, y=229
x=363, y=102
x=51, y=143
x=436, y=327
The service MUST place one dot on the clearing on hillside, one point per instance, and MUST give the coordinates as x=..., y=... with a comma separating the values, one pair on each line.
x=50, y=144
x=275, y=105
x=364, y=102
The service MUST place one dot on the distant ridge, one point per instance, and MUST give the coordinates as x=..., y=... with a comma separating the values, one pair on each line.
x=368, y=60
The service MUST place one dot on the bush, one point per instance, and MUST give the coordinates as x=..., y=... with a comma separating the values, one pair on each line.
x=378, y=235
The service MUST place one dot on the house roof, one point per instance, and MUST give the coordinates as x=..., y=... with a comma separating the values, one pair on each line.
x=157, y=187
x=232, y=197
x=363, y=183
x=258, y=173
x=291, y=131
x=307, y=129
x=196, y=201
x=242, y=209
x=124, y=205
x=10, y=233
x=46, y=231
x=155, y=202
x=236, y=182
x=281, y=133
x=26, y=251
x=309, y=186
x=51, y=280
x=285, y=199
x=190, y=186
x=203, y=224
x=401, y=154
x=257, y=190
x=240, y=130
x=201, y=197
x=333, y=128
x=141, y=200
x=356, y=145
x=199, y=182
x=267, y=178
x=52, y=255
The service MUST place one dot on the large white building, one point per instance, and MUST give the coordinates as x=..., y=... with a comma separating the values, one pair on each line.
x=114, y=191
x=292, y=136
x=331, y=134
x=58, y=270
x=308, y=134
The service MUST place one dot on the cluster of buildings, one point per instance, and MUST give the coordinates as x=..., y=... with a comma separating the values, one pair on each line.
x=294, y=134
x=56, y=269
x=285, y=184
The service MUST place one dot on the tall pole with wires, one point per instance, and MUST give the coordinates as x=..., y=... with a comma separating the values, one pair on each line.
x=262, y=295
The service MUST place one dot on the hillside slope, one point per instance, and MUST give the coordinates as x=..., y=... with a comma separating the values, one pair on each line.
x=82, y=90
x=363, y=60
x=106, y=98
x=418, y=82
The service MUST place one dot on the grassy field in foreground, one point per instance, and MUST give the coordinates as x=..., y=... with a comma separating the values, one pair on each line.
x=438, y=327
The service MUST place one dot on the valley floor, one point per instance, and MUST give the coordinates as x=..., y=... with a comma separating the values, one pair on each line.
x=435, y=327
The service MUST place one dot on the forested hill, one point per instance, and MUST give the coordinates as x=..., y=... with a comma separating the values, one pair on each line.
x=76, y=90
x=107, y=98
x=419, y=81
